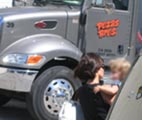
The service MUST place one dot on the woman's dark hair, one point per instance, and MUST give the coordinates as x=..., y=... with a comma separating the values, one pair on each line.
x=89, y=64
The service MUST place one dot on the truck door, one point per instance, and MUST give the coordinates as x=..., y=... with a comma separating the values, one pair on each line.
x=128, y=105
x=108, y=28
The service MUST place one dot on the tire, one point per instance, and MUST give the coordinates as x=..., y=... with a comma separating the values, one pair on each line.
x=50, y=90
x=4, y=100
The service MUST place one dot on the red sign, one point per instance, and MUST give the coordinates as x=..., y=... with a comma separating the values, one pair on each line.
x=108, y=28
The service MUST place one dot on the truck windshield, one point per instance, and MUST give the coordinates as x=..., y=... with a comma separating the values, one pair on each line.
x=45, y=2
x=75, y=2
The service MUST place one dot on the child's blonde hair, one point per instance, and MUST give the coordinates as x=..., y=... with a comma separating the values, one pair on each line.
x=120, y=64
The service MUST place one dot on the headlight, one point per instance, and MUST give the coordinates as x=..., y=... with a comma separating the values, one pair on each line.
x=23, y=59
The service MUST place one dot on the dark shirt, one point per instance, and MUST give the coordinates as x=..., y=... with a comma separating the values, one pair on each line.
x=93, y=105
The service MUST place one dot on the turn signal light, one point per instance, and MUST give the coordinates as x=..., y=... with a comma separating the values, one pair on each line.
x=34, y=59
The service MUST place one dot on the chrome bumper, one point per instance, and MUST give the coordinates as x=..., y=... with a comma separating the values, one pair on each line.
x=16, y=79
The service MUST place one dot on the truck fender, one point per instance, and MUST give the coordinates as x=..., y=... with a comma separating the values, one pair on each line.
x=48, y=45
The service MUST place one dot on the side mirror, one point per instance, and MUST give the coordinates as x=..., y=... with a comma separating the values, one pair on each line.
x=110, y=5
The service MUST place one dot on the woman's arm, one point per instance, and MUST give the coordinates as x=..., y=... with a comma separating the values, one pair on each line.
x=107, y=89
x=108, y=99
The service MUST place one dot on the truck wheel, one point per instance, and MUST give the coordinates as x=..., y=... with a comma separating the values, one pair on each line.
x=4, y=100
x=50, y=90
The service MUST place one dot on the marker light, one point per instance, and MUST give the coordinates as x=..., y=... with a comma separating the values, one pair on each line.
x=23, y=59
x=40, y=25
x=34, y=59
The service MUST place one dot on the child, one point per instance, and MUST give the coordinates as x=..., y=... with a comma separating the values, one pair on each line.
x=119, y=68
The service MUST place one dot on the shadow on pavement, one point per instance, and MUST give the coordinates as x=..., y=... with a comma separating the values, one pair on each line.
x=14, y=110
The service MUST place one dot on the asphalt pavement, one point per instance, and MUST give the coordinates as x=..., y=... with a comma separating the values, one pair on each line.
x=15, y=110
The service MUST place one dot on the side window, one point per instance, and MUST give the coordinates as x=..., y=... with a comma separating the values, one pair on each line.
x=117, y=4
x=99, y=3
x=128, y=105
x=121, y=4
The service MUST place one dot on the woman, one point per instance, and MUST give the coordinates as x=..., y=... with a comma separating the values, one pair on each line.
x=90, y=71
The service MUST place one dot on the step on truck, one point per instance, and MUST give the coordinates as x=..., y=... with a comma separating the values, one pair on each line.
x=41, y=44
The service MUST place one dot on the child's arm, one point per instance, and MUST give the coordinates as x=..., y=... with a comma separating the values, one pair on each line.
x=108, y=92
x=107, y=89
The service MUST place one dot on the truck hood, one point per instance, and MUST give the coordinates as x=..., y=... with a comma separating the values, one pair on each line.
x=24, y=19
x=18, y=23
x=28, y=10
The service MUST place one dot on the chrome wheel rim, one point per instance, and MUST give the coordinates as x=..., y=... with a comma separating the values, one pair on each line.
x=57, y=91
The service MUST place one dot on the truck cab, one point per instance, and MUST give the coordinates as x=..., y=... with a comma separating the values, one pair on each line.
x=41, y=44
